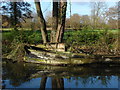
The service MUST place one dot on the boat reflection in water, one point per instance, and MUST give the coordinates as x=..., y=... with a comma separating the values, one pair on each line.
x=26, y=75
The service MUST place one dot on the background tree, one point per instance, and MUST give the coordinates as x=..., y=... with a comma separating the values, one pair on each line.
x=5, y=21
x=75, y=21
x=85, y=22
x=98, y=10
x=49, y=19
x=17, y=11
x=67, y=25
x=112, y=15
x=31, y=23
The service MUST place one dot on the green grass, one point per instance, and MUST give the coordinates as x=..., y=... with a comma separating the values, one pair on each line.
x=9, y=29
x=36, y=37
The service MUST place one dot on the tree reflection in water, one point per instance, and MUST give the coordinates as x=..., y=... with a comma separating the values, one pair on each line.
x=57, y=83
x=104, y=80
x=19, y=73
x=43, y=82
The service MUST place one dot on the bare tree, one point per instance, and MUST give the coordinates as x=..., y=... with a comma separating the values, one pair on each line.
x=85, y=22
x=42, y=22
x=75, y=21
x=61, y=21
x=49, y=18
x=54, y=21
x=97, y=12
x=112, y=15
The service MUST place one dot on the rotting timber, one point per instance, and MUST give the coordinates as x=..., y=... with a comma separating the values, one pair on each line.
x=43, y=54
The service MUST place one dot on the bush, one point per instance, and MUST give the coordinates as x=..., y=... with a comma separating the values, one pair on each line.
x=72, y=39
x=81, y=37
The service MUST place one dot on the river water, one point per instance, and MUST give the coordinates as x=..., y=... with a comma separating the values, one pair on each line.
x=27, y=75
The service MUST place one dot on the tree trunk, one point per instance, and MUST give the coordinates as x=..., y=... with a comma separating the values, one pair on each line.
x=55, y=21
x=42, y=22
x=61, y=22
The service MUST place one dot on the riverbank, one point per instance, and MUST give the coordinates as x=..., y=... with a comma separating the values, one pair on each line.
x=80, y=47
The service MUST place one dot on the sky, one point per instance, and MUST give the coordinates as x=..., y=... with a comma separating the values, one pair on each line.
x=81, y=8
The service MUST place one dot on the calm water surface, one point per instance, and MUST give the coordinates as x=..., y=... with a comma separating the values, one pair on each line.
x=26, y=75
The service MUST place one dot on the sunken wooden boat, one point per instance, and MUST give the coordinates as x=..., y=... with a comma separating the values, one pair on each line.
x=42, y=55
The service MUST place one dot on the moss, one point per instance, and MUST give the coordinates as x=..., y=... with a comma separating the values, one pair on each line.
x=35, y=59
x=17, y=53
x=41, y=46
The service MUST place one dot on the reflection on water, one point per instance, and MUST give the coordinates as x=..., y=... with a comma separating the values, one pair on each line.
x=26, y=75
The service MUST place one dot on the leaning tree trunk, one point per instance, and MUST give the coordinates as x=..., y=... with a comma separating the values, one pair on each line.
x=54, y=21
x=61, y=22
x=42, y=22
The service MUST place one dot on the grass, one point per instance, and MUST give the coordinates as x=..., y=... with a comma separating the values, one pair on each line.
x=35, y=37
x=9, y=29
